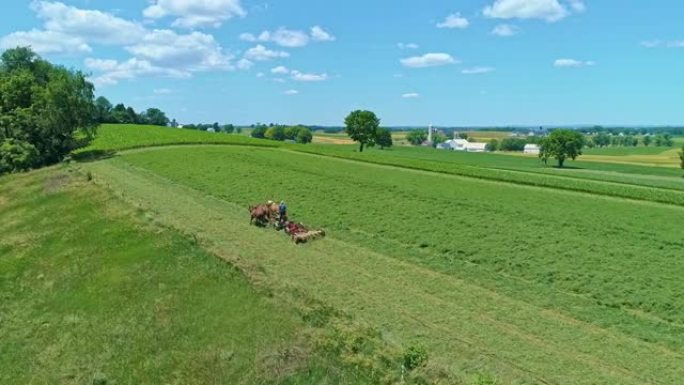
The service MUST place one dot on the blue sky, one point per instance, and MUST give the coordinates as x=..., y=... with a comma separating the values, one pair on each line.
x=456, y=63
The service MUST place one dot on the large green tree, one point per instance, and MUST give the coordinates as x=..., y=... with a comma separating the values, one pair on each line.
x=561, y=145
x=42, y=106
x=362, y=127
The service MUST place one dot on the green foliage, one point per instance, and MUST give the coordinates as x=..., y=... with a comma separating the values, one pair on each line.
x=493, y=145
x=681, y=157
x=383, y=137
x=513, y=144
x=362, y=126
x=157, y=117
x=416, y=137
x=437, y=138
x=259, y=131
x=602, y=139
x=228, y=128
x=304, y=135
x=414, y=357
x=562, y=144
x=17, y=155
x=43, y=105
x=647, y=140
x=463, y=135
x=275, y=133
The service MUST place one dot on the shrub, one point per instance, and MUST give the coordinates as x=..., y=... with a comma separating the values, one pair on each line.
x=493, y=145
x=414, y=357
x=17, y=155
x=304, y=135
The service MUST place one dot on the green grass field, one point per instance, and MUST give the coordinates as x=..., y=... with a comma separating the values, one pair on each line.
x=500, y=267
x=97, y=291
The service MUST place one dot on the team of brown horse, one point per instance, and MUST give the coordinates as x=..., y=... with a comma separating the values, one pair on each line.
x=268, y=214
x=263, y=214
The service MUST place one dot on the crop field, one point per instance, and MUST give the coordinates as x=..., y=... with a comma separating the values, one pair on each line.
x=628, y=181
x=531, y=283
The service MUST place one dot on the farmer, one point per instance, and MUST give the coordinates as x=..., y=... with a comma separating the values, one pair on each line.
x=282, y=212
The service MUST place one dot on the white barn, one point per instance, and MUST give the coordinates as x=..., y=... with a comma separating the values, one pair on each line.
x=531, y=149
x=476, y=147
x=457, y=144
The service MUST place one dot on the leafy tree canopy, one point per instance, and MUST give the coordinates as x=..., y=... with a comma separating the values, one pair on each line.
x=362, y=126
x=562, y=144
x=41, y=109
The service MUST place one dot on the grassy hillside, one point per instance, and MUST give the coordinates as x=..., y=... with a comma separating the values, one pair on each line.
x=533, y=284
x=95, y=292
x=127, y=136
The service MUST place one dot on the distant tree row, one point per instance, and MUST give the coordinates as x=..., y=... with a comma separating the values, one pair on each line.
x=106, y=113
x=299, y=134
x=213, y=127
x=632, y=130
x=42, y=107
x=604, y=139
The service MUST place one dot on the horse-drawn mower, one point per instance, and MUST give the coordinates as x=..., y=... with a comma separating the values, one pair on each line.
x=269, y=214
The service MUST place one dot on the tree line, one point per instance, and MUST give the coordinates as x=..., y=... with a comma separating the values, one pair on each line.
x=604, y=139
x=214, y=127
x=105, y=112
x=298, y=134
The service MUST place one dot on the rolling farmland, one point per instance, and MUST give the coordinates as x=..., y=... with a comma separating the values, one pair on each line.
x=502, y=269
x=490, y=275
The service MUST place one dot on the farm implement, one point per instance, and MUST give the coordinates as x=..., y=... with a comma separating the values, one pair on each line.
x=271, y=214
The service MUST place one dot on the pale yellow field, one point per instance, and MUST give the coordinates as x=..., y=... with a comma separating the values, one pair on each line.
x=668, y=158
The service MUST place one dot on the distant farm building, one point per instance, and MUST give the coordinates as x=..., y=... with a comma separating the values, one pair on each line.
x=457, y=144
x=476, y=147
x=444, y=146
x=531, y=149
x=211, y=129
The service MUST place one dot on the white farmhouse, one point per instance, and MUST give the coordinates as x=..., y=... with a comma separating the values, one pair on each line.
x=476, y=147
x=531, y=149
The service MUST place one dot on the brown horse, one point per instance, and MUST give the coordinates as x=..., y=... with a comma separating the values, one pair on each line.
x=263, y=213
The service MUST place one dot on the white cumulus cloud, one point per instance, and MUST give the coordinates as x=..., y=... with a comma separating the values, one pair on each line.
x=319, y=34
x=289, y=38
x=410, y=95
x=45, y=42
x=195, y=13
x=113, y=71
x=290, y=92
x=572, y=63
x=477, y=70
x=505, y=30
x=280, y=70
x=549, y=10
x=195, y=51
x=428, y=60
x=261, y=53
x=454, y=20
x=308, y=77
